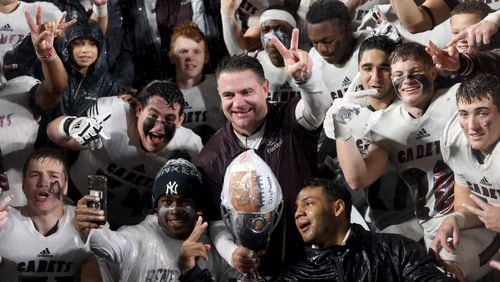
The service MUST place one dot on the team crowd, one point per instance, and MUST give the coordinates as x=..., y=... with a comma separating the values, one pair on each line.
x=380, y=120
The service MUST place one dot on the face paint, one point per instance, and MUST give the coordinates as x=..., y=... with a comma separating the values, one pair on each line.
x=283, y=37
x=55, y=190
x=420, y=78
x=168, y=127
x=186, y=214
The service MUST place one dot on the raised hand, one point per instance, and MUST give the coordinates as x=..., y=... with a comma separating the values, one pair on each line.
x=88, y=131
x=4, y=209
x=43, y=34
x=476, y=35
x=85, y=217
x=229, y=7
x=445, y=59
x=489, y=214
x=297, y=61
x=343, y=109
x=191, y=249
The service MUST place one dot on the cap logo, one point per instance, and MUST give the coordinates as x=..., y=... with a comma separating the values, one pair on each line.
x=171, y=188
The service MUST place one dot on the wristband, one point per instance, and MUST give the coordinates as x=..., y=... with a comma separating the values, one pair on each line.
x=304, y=80
x=460, y=217
x=64, y=126
x=48, y=56
x=429, y=13
x=100, y=10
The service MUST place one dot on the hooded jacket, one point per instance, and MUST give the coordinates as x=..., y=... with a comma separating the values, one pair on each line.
x=83, y=91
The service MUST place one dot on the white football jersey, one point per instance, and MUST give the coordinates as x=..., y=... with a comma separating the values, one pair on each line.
x=388, y=200
x=13, y=26
x=482, y=179
x=18, y=131
x=129, y=168
x=30, y=256
x=337, y=78
x=144, y=252
x=281, y=86
x=413, y=145
x=202, y=105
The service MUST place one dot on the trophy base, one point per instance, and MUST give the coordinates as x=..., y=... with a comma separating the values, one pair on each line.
x=250, y=277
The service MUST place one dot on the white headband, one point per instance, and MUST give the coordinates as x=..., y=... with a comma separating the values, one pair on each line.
x=280, y=15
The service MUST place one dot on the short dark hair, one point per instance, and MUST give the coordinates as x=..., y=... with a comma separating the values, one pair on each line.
x=410, y=51
x=472, y=7
x=479, y=87
x=334, y=191
x=239, y=63
x=48, y=154
x=328, y=10
x=166, y=90
x=379, y=42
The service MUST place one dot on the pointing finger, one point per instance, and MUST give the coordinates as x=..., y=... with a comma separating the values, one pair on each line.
x=198, y=229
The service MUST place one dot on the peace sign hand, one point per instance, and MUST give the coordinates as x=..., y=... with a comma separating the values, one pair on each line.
x=297, y=61
x=343, y=108
x=42, y=35
x=445, y=59
x=191, y=249
x=489, y=214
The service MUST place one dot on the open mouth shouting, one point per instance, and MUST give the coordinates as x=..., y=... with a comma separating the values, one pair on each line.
x=303, y=225
x=42, y=196
x=156, y=137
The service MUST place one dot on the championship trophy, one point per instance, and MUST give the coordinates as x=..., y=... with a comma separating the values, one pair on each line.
x=251, y=204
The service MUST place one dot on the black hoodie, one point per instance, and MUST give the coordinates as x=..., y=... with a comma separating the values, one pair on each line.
x=83, y=91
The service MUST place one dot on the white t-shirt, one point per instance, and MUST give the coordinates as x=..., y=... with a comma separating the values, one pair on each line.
x=337, y=78
x=129, y=168
x=30, y=256
x=281, y=86
x=18, y=131
x=482, y=179
x=13, y=26
x=202, y=105
x=413, y=145
x=144, y=252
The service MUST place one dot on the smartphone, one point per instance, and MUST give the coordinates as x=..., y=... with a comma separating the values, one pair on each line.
x=98, y=188
x=3, y=173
